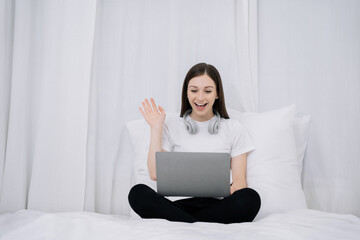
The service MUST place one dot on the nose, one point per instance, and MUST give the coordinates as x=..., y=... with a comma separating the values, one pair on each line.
x=200, y=96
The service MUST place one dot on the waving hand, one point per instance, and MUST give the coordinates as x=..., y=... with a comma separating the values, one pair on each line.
x=152, y=114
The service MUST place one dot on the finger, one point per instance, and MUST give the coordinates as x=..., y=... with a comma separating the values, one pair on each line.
x=163, y=114
x=142, y=112
x=153, y=104
x=146, y=110
x=161, y=109
x=148, y=106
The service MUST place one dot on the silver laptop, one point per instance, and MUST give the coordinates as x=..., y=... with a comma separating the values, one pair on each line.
x=194, y=174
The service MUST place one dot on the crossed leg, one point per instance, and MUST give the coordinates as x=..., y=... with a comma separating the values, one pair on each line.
x=242, y=206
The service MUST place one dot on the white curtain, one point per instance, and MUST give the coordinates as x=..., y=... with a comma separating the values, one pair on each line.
x=46, y=80
x=73, y=72
x=309, y=54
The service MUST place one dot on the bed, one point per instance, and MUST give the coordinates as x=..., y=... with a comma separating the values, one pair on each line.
x=274, y=170
x=296, y=224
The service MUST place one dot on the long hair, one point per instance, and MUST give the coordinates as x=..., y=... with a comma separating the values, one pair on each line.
x=199, y=70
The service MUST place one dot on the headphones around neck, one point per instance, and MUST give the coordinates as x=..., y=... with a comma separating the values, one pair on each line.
x=191, y=126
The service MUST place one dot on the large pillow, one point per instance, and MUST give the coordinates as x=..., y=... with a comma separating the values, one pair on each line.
x=273, y=168
x=140, y=138
x=301, y=126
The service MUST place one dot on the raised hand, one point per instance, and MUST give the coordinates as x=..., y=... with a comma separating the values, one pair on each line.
x=152, y=115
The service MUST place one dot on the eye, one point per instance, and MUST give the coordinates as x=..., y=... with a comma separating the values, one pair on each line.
x=208, y=91
x=193, y=91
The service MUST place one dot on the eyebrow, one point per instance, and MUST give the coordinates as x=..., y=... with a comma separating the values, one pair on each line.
x=197, y=87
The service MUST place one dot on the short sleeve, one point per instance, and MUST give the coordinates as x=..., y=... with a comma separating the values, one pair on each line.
x=242, y=142
x=165, y=138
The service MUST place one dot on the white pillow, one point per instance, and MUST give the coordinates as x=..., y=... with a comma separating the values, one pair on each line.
x=272, y=168
x=301, y=126
x=140, y=137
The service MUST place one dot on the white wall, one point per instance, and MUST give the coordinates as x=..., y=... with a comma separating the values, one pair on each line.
x=309, y=54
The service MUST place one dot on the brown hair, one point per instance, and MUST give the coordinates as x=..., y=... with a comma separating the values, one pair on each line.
x=199, y=70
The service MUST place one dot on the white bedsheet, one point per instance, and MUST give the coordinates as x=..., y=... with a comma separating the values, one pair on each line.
x=299, y=224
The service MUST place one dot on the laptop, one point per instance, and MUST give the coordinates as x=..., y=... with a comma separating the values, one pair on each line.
x=195, y=174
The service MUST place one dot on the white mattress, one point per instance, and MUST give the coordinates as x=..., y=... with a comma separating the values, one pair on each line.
x=299, y=224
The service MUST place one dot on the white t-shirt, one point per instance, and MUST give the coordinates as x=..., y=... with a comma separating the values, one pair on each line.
x=232, y=137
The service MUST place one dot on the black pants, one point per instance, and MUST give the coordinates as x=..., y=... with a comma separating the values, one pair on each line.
x=241, y=206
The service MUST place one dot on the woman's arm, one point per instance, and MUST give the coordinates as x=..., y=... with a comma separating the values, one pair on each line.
x=155, y=118
x=238, y=169
x=155, y=146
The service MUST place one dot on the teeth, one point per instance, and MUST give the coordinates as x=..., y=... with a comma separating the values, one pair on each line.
x=200, y=104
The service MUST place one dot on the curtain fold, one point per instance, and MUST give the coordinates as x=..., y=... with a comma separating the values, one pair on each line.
x=247, y=55
x=6, y=53
x=78, y=72
x=45, y=155
x=22, y=107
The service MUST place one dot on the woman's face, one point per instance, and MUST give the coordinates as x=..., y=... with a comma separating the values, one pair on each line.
x=201, y=94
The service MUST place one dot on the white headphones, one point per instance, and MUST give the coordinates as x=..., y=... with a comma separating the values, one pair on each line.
x=191, y=126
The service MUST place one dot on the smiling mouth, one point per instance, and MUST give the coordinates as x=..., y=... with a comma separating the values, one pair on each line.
x=201, y=105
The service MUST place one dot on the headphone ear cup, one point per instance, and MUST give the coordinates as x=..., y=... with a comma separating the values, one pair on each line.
x=189, y=123
x=188, y=126
x=211, y=126
x=191, y=126
x=214, y=125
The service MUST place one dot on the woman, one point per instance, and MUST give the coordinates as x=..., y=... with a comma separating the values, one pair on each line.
x=203, y=126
